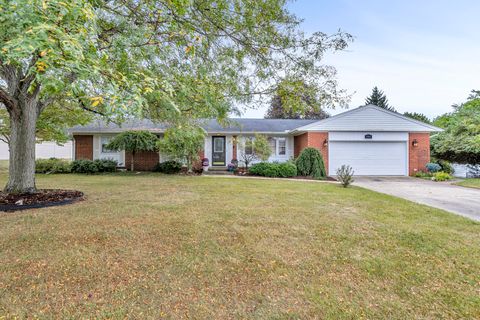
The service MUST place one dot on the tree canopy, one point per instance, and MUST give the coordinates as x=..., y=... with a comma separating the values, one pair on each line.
x=460, y=142
x=379, y=99
x=296, y=100
x=418, y=116
x=161, y=59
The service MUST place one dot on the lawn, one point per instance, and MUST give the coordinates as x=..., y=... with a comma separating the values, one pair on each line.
x=153, y=246
x=472, y=183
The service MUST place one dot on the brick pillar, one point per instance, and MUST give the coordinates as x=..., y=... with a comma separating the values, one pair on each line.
x=419, y=155
x=234, y=142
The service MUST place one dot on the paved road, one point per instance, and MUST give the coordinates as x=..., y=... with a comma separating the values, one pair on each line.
x=443, y=195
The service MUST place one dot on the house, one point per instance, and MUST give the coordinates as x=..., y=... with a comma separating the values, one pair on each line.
x=372, y=140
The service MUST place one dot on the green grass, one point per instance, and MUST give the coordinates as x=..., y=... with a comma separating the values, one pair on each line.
x=153, y=246
x=471, y=183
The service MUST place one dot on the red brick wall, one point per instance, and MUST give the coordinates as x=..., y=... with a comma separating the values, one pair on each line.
x=418, y=156
x=312, y=139
x=144, y=161
x=83, y=147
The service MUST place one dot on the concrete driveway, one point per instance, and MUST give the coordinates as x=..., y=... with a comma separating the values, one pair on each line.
x=442, y=195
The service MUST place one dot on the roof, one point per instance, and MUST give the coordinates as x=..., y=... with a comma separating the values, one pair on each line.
x=369, y=118
x=234, y=125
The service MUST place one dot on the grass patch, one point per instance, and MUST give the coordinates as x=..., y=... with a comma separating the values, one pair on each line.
x=471, y=183
x=152, y=246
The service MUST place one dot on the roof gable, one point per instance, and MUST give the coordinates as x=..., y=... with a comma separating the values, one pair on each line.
x=369, y=118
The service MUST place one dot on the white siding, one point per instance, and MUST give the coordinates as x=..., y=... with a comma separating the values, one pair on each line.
x=369, y=118
x=43, y=150
x=360, y=136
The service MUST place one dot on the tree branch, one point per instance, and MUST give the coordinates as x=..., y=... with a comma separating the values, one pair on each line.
x=9, y=102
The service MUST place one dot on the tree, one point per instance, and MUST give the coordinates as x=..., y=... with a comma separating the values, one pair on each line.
x=254, y=148
x=310, y=163
x=379, y=99
x=460, y=142
x=183, y=143
x=307, y=106
x=166, y=60
x=134, y=142
x=417, y=116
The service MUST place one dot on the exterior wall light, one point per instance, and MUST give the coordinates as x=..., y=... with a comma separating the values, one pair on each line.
x=325, y=143
x=414, y=143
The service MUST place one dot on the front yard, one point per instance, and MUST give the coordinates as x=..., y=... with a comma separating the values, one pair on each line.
x=152, y=246
x=472, y=183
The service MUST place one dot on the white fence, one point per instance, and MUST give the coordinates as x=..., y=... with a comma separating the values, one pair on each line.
x=43, y=150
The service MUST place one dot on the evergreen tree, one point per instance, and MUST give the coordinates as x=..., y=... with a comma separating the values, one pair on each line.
x=418, y=116
x=379, y=99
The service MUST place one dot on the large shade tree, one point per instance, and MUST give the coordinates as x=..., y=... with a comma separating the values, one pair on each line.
x=460, y=142
x=162, y=59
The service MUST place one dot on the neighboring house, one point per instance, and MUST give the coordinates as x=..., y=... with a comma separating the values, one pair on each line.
x=372, y=140
x=43, y=150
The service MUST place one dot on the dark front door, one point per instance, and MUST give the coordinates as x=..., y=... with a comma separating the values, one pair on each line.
x=218, y=151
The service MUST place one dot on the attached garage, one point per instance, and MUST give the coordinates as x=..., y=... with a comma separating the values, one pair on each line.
x=370, y=158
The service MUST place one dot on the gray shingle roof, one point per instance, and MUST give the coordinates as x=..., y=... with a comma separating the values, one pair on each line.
x=210, y=125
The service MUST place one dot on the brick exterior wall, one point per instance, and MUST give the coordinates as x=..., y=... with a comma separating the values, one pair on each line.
x=312, y=139
x=83, y=147
x=144, y=161
x=418, y=156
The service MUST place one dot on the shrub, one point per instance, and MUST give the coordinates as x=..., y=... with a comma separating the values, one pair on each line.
x=52, y=165
x=274, y=169
x=168, y=167
x=445, y=166
x=310, y=163
x=106, y=165
x=433, y=167
x=84, y=166
x=441, y=176
x=345, y=175
x=421, y=174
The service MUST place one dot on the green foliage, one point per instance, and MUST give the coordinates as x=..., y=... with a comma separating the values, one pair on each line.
x=422, y=174
x=274, y=169
x=345, y=175
x=460, y=142
x=310, y=163
x=52, y=165
x=95, y=166
x=441, y=176
x=445, y=165
x=253, y=149
x=378, y=99
x=168, y=167
x=183, y=143
x=134, y=141
x=418, y=116
x=294, y=99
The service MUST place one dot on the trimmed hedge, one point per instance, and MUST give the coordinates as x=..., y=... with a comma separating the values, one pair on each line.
x=274, y=169
x=310, y=163
x=168, y=167
x=52, y=165
x=95, y=166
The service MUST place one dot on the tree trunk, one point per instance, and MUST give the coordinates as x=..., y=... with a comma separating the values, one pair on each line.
x=21, y=175
x=132, y=165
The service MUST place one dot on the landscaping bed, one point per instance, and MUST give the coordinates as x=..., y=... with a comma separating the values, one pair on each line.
x=39, y=199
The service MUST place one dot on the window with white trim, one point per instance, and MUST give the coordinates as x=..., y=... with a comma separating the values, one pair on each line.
x=282, y=146
x=105, y=141
x=273, y=144
x=248, y=146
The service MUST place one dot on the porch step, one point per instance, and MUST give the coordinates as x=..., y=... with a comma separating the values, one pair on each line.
x=217, y=173
x=217, y=168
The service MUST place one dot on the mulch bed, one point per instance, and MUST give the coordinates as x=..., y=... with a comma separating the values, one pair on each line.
x=40, y=199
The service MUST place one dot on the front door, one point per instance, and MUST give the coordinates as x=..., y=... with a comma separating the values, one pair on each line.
x=218, y=151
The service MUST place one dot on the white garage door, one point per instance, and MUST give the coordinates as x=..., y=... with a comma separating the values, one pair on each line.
x=369, y=158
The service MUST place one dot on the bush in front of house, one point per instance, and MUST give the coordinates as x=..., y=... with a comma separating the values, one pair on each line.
x=52, y=165
x=310, y=163
x=168, y=167
x=445, y=165
x=274, y=169
x=433, y=167
x=95, y=166
x=441, y=176
x=345, y=175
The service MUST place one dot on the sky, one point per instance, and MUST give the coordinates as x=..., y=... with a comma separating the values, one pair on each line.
x=424, y=54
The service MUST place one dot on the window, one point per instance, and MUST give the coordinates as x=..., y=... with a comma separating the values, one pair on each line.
x=273, y=145
x=282, y=146
x=218, y=144
x=248, y=146
x=105, y=141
